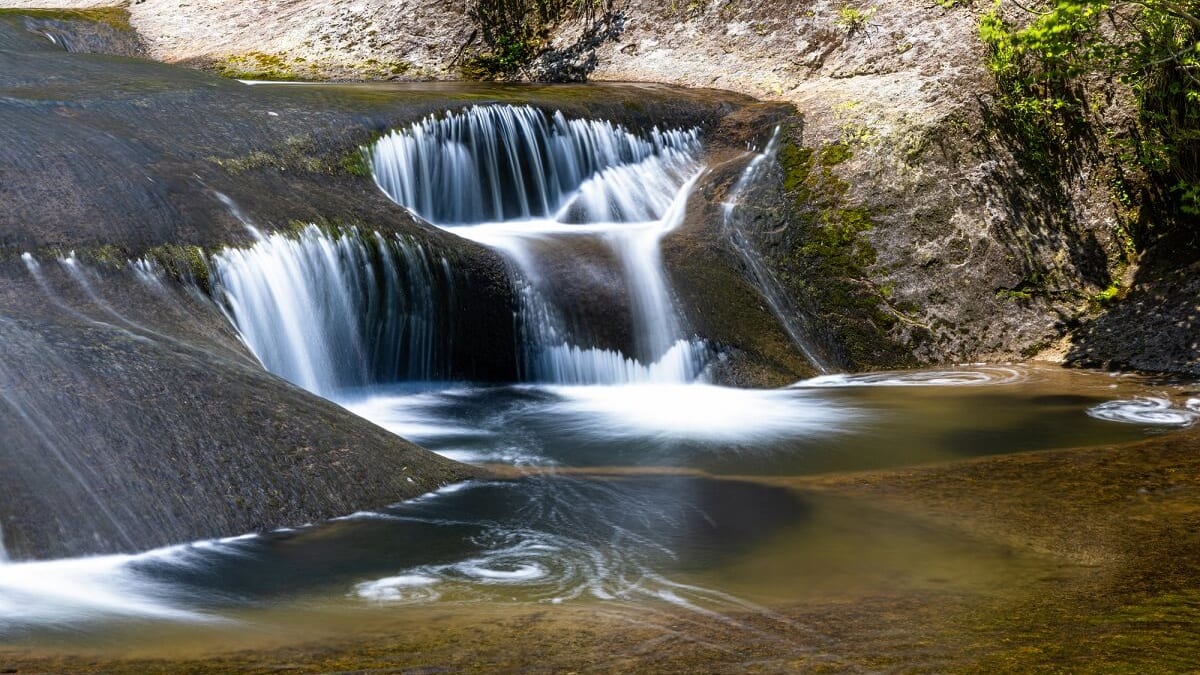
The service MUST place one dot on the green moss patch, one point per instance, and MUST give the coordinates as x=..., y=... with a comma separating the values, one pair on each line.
x=257, y=66
x=184, y=263
x=299, y=154
x=114, y=17
x=828, y=263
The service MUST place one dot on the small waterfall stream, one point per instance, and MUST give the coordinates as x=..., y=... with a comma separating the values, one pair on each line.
x=764, y=279
x=497, y=163
x=511, y=177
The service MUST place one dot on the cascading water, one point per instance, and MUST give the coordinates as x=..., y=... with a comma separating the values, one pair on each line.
x=501, y=163
x=511, y=177
x=337, y=311
x=331, y=311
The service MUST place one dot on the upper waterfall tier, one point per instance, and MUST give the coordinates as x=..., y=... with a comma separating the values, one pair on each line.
x=501, y=163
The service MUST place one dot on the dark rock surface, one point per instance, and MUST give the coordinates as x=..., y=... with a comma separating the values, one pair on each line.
x=104, y=30
x=719, y=300
x=131, y=417
x=1156, y=326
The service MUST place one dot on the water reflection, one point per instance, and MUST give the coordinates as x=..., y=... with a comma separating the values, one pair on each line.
x=541, y=538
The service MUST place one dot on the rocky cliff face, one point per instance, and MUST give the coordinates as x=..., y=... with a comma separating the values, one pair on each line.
x=962, y=252
x=948, y=248
x=915, y=229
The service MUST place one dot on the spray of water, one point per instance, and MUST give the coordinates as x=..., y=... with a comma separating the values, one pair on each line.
x=789, y=317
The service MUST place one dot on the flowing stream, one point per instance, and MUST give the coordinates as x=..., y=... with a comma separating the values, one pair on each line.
x=328, y=312
x=616, y=465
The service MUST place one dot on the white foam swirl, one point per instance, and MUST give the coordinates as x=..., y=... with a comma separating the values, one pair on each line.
x=922, y=378
x=1148, y=410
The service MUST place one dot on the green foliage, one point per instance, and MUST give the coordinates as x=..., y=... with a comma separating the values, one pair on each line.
x=1035, y=69
x=1163, y=66
x=1042, y=69
x=256, y=66
x=1014, y=294
x=692, y=8
x=852, y=19
x=508, y=54
x=1188, y=194
x=1108, y=294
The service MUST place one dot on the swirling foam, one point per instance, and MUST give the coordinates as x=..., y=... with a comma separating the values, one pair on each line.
x=548, y=567
x=400, y=589
x=1149, y=411
x=924, y=378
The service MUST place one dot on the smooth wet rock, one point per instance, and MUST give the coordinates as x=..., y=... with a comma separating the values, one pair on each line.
x=132, y=418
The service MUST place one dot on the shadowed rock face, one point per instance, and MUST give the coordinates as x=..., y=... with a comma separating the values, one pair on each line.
x=1156, y=327
x=131, y=414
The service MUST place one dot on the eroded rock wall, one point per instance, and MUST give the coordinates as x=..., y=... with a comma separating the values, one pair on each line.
x=972, y=254
x=950, y=248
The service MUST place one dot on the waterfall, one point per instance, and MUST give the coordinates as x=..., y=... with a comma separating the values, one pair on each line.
x=497, y=162
x=764, y=279
x=510, y=177
x=331, y=311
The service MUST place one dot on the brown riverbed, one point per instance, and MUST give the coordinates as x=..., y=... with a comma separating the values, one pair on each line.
x=1067, y=560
